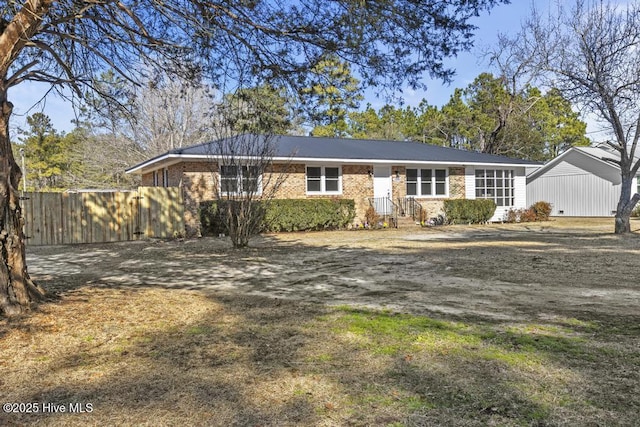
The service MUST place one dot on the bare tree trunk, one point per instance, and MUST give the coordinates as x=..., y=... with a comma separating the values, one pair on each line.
x=244, y=219
x=625, y=206
x=622, y=224
x=17, y=291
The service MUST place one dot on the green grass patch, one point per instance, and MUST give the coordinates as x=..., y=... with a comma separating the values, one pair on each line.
x=389, y=333
x=577, y=323
x=515, y=371
x=320, y=358
x=199, y=330
x=381, y=395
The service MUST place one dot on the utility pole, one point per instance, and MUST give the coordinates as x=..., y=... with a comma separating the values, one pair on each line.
x=24, y=172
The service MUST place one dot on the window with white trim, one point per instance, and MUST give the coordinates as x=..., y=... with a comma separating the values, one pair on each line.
x=496, y=185
x=426, y=182
x=239, y=179
x=324, y=180
x=165, y=177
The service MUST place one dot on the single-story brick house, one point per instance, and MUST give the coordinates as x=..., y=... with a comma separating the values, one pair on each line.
x=362, y=170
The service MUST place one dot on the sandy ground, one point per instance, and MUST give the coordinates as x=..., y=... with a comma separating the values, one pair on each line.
x=531, y=324
x=518, y=272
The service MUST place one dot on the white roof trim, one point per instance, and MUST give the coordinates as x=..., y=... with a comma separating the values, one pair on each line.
x=390, y=162
x=553, y=162
x=150, y=162
x=156, y=163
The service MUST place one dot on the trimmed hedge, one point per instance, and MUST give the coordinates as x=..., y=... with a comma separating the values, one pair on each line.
x=288, y=215
x=309, y=214
x=469, y=211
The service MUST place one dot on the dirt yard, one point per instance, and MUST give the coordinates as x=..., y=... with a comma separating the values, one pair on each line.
x=192, y=331
x=496, y=271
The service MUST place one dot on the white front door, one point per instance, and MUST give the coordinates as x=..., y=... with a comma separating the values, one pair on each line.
x=382, y=189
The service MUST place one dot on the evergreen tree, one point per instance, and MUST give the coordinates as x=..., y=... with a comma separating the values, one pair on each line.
x=49, y=155
x=389, y=123
x=487, y=117
x=262, y=109
x=333, y=93
x=562, y=127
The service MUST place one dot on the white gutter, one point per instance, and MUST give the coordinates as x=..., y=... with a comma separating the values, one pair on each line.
x=200, y=157
x=151, y=162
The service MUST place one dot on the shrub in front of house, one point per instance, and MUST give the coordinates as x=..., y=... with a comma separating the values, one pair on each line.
x=469, y=211
x=211, y=219
x=539, y=211
x=520, y=215
x=309, y=214
x=286, y=215
x=542, y=210
x=371, y=217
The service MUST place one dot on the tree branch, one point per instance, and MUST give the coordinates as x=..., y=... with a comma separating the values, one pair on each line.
x=21, y=28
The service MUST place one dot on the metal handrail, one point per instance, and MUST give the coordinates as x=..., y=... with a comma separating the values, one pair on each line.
x=386, y=208
x=416, y=209
x=411, y=207
x=396, y=209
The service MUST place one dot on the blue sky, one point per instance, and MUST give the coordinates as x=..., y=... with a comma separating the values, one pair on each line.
x=504, y=18
x=468, y=65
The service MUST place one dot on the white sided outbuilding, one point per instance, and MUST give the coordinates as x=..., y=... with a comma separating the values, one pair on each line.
x=582, y=181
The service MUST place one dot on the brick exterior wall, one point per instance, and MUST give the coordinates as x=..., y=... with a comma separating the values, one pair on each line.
x=358, y=185
x=432, y=206
x=199, y=184
x=398, y=182
x=294, y=185
x=147, y=179
x=174, y=173
x=456, y=183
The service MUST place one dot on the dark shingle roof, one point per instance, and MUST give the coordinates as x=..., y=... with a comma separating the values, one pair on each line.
x=344, y=150
x=366, y=149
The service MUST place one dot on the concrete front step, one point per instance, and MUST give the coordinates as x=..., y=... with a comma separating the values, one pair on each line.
x=407, y=221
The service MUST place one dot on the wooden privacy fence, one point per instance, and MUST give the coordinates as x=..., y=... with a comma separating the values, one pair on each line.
x=95, y=217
